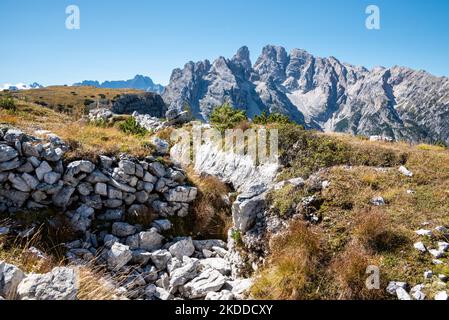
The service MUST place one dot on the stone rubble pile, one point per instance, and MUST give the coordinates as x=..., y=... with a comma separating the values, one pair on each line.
x=101, y=201
x=432, y=282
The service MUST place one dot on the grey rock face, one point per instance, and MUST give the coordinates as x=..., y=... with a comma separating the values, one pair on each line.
x=160, y=259
x=188, y=271
x=118, y=256
x=7, y=153
x=244, y=211
x=122, y=229
x=208, y=281
x=10, y=277
x=150, y=240
x=182, y=248
x=181, y=194
x=59, y=284
x=322, y=93
x=145, y=103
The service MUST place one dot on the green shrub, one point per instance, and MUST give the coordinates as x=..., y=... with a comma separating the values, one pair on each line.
x=265, y=118
x=8, y=103
x=88, y=102
x=130, y=126
x=226, y=117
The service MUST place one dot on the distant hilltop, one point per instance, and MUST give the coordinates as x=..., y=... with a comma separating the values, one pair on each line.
x=139, y=82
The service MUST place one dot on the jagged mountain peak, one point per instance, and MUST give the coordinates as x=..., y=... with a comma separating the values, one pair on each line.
x=321, y=93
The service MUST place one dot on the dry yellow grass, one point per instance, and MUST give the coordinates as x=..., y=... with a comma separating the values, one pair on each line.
x=293, y=270
x=356, y=234
x=87, y=141
x=67, y=99
x=210, y=211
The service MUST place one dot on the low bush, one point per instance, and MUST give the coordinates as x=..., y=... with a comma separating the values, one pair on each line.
x=264, y=118
x=8, y=103
x=130, y=126
x=226, y=117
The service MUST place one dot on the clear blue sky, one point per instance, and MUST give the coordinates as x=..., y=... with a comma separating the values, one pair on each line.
x=119, y=39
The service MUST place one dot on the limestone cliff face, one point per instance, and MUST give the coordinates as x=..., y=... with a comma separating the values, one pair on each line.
x=321, y=93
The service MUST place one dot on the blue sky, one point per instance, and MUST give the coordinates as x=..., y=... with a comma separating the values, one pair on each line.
x=119, y=39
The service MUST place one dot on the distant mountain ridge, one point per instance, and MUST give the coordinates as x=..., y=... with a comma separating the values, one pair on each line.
x=139, y=82
x=321, y=93
x=20, y=86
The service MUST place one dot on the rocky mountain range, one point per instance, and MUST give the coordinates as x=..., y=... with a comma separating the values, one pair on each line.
x=138, y=82
x=320, y=93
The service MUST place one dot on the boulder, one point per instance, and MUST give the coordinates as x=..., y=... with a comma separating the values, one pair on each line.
x=442, y=295
x=209, y=244
x=420, y=247
x=43, y=168
x=122, y=229
x=405, y=171
x=128, y=167
x=157, y=169
x=7, y=153
x=140, y=257
x=378, y=201
x=188, y=271
x=62, y=198
x=10, y=277
x=150, y=240
x=394, y=285
x=162, y=225
x=106, y=162
x=18, y=183
x=30, y=180
x=416, y=292
x=161, y=146
x=29, y=150
x=81, y=219
x=402, y=294
x=52, y=177
x=208, y=281
x=10, y=165
x=153, y=292
x=160, y=259
x=182, y=248
x=13, y=135
x=85, y=189
x=59, y=284
x=101, y=189
x=181, y=194
x=18, y=198
x=219, y=264
x=118, y=256
x=144, y=103
x=244, y=211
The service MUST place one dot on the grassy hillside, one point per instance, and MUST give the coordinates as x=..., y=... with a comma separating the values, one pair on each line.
x=85, y=139
x=67, y=99
x=323, y=260
x=328, y=260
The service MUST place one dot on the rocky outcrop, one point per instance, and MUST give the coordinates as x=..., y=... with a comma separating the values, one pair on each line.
x=145, y=103
x=59, y=284
x=321, y=93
